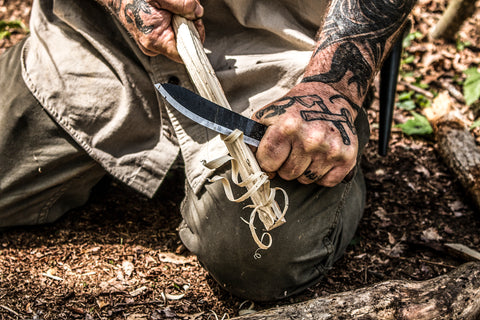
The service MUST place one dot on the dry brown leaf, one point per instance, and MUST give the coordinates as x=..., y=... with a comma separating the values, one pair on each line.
x=431, y=234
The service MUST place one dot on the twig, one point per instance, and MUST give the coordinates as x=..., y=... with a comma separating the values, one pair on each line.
x=429, y=262
x=426, y=93
x=10, y=310
x=452, y=90
x=52, y=277
x=108, y=293
x=437, y=263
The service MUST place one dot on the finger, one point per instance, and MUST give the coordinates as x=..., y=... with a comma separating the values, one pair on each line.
x=272, y=151
x=314, y=172
x=200, y=28
x=333, y=177
x=295, y=165
x=190, y=9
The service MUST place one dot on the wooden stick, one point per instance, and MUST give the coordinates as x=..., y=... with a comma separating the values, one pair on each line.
x=10, y=310
x=203, y=76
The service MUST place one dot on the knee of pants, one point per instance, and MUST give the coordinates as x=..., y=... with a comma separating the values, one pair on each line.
x=303, y=248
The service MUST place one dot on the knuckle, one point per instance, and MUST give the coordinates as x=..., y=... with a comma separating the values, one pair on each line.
x=314, y=141
x=266, y=152
x=335, y=150
x=189, y=6
x=292, y=170
x=289, y=127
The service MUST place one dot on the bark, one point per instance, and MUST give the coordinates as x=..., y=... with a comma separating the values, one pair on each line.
x=452, y=19
x=456, y=145
x=458, y=149
x=452, y=296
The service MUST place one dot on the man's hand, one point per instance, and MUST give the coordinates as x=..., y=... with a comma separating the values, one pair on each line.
x=149, y=22
x=311, y=136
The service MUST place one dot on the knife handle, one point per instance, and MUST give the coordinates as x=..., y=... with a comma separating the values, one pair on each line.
x=203, y=76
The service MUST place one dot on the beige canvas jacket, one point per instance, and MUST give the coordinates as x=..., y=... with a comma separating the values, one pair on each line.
x=89, y=75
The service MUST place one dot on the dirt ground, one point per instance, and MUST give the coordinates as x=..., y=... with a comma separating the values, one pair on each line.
x=119, y=256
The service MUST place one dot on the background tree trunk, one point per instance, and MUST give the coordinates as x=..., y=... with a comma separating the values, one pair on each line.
x=452, y=296
x=452, y=19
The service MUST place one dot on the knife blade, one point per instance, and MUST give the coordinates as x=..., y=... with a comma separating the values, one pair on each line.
x=211, y=115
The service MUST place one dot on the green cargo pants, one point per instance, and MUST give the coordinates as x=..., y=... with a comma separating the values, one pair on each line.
x=44, y=173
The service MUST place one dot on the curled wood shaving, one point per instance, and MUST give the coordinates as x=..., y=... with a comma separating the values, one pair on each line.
x=257, y=180
x=249, y=310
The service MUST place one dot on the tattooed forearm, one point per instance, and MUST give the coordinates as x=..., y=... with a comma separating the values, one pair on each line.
x=136, y=8
x=318, y=112
x=359, y=32
x=361, y=70
x=352, y=45
x=371, y=22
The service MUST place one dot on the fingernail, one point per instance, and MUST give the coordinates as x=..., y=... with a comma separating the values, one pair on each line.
x=271, y=175
x=199, y=11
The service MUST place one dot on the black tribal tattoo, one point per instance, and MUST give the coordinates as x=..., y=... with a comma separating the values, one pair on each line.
x=361, y=70
x=356, y=25
x=370, y=22
x=324, y=114
x=136, y=8
x=355, y=36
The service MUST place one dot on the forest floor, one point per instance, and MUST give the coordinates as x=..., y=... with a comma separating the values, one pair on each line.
x=120, y=257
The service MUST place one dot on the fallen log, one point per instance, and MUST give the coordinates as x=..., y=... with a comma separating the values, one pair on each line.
x=455, y=295
x=456, y=144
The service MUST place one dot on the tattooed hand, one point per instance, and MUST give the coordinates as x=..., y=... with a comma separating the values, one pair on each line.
x=311, y=136
x=149, y=22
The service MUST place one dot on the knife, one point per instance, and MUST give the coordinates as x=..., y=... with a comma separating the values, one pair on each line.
x=211, y=115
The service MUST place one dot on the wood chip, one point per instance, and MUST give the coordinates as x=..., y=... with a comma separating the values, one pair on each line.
x=52, y=277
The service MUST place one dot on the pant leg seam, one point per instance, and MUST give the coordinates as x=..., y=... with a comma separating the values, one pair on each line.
x=43, y=216
x=44, y=212
x=327, y=241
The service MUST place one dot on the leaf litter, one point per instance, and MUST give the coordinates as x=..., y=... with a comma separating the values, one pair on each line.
x=120, y=257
